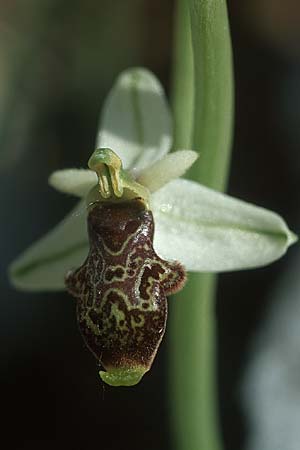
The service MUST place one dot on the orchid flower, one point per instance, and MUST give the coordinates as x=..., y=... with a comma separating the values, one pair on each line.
x=131, y=173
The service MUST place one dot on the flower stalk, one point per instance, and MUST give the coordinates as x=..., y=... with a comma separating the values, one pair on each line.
x=202, y=25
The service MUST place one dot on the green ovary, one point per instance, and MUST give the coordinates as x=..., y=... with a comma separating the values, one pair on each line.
x=122, y=376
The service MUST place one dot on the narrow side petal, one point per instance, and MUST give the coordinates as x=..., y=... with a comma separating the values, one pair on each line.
x=136, y=121
x=171, y=166
x=76, y=182
x=211, y=232
x=42, y=267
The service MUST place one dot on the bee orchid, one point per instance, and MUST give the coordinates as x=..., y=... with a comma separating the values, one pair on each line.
x=137, y=229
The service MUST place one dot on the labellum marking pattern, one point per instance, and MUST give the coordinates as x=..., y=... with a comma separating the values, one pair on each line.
x=121, y=290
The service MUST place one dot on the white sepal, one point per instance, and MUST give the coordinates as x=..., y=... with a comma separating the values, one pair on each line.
x=211, y=232
x=43, y=266
x=136, y=121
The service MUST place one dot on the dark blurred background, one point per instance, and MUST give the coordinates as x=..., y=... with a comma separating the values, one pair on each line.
x=57, y=61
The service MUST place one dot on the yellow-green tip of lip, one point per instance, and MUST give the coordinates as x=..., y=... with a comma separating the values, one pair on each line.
x=123, y=377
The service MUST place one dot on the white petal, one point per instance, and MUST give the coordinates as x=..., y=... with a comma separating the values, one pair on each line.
x=136, y=121
x=77, y=182
x=210, y=232
x=171, y=166
x=42, y=266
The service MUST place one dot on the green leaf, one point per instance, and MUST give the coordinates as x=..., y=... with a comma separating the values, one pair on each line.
x=211, y=232
x=136, y=121
x=213, y=90
x=42, y=267
x=203, y=97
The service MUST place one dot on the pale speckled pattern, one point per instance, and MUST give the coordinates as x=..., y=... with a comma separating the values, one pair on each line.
x=121, y=288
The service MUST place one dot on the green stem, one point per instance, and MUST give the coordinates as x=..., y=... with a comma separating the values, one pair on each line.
x=208, y=104
x=193, y=384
